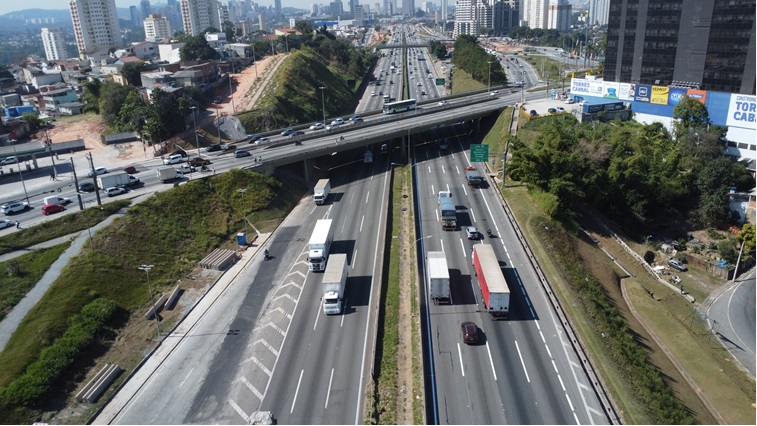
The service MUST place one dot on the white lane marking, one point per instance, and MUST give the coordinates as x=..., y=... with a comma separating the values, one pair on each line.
x=562, y=385
x=328, y=392
x=185, y=379
x=429, y=169
x=444, y=172
x=296, y=392
x=442, y=241
x=460, y=355
x=317, y=314
x=521, y=361
x=463, y=246
x=448, y=190
x=361, y=223
x=311, y=211
x=239, y=411
x=542, y=337
x=252, y=388
x=436, y=211
x=344, y=306
x=465, y=191
x=548, y=351
x=491, y=361
x=457, y=169
x=354, y=257
x=555, y=367
x=367, y=196
x=473, y=215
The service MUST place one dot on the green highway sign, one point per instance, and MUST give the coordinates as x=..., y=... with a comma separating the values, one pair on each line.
x=479, y=153
x=440, y=82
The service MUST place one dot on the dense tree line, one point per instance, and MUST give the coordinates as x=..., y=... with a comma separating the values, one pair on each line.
x=473, y=59
x=635, y=173
x=438, y=49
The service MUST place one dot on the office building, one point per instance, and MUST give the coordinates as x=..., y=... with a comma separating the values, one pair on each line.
x=445, y=10
x=388, y=7
x=558, y=16
x=408, y=7
x=335, y=8
x=136, y=18
x=261, y=22
x=504, y=16
x=52, y=40
x=314, y=9
x=145, y=7
x=702, y=44
x=599, y=10
x=95, y=25
x=471, y=16
x=277, y=3
x=198, y=15
x=157, y=28
x=535, y=13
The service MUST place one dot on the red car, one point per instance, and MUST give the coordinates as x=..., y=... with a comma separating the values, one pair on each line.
x=52, y=208
x=470, y=332
x=130, y=170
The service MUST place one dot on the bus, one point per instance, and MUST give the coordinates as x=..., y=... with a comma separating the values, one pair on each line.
x=399, y=106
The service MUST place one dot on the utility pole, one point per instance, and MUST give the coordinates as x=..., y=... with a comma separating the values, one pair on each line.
x=94, y=179
x=76, y=185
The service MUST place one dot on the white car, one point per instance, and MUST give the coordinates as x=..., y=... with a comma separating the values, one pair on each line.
x=560, y=109
x=98, y=171
x=373, y=93
x=5, y=223
x=115, y=190
x=317, y=126
x=173, y=159
x=11, y=208
x=337, y=122
x=570, y=101
x=262, y=141
x=9, y=160
x=442, y=103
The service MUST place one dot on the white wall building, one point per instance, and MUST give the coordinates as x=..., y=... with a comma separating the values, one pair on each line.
x=471, y=16
x=198, y=15
x=95, y=24
x=559, y=15
x=535, y=13
x=52, y=39
x=157, y=28
x=599, y=12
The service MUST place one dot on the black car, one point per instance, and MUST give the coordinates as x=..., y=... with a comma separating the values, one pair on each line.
x=533, y=113
x=225, y=148
x=214, y=147
x=552, y=111
x=86, y=187
x=240, y=154
x=296, y=133
x=198, y=161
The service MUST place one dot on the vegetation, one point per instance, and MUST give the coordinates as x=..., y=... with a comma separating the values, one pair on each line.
x=473, y=59
x=437, y=48
x=623, y=168
x=196, y=48
x=172, y=230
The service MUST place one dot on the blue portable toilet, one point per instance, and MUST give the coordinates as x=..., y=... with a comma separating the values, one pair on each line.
x=242, y=239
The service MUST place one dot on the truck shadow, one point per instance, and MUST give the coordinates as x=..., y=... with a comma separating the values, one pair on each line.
x=520, y=309
x=461, y=290
x=357, y=292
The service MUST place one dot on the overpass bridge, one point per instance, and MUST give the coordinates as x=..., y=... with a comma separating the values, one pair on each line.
x=400, y=46
x=401, y=127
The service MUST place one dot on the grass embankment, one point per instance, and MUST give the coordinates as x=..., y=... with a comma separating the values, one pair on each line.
x=463, y=82
x=730, y=391
x=496, y=138
x=386, y=402
x=64, y=225
x=22, y=273
x=172, y=230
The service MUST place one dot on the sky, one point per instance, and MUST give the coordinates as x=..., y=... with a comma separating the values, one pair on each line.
x=11, y=5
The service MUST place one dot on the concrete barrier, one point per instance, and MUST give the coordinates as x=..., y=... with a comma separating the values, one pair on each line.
x=156, y=307
x=172, y=298
x=92, y=391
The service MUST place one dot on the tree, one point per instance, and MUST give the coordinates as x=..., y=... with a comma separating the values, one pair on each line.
x=690, y=113
x=197, y=49
x=228, y=29
x=305, y=28
x=131, y=72
x=91, y=97
x=32, y=119
x=747, y=235
x=112, y=97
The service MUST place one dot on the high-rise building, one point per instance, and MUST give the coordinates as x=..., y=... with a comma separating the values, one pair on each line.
x=145, y=7
x=335, y=8
x=471, y=16
x=558, y=17
x=198, y=15
x=598, y=12
x=95, y=24
x=314, y=9
x=223, y=14
x=388, y=7
x=136, y=18
x=428, y=7
x=504, y=16
x=278, y=7
x=445, y=10
x=408, y=7
x=358, y=14
x=261, y=22
x=52, y=40
x=704, y=43
x=157, y=27
x=535, y=13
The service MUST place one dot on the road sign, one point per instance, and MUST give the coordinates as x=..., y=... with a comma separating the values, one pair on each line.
x=440, y=82
x=479, y=153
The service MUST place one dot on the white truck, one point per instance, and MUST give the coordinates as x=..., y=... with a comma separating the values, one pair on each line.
x=116, y=180
x=333, y=283
x=167, y=174
x=57, y=200
x=321, y=191
x=319, y=245
x=438, y=276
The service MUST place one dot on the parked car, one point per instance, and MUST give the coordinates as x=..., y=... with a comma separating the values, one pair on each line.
x=240, y=154
x=214, y=147
x=86, y=187
x=533, y=113
x=570, y=101
x=317, y=126
x=130, y=170
x=98, y=171
x=5, y=223
x=51, y=208
x=198, y=161
x=470, y=332
x=560, y=109
x=173, y=159
x=115, y=190
x=10, y=208
x=675, y=263
x=552, y=111
x=228, y=147
x=471, y=232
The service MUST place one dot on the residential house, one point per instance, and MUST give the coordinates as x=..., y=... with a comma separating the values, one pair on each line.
x=53, y=97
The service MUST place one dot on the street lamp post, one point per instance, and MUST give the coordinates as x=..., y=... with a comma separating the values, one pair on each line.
x=489, y=89
x=147, y=268
x=218, y=119
x=18, y=163
x=194, y=120
x=323, y=104
x=254, y=61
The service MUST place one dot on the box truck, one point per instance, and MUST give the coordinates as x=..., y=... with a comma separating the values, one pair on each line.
x=491, y=282
x=57, y=200
x=473, y=177
x=448, y=214
x=319, y=245
x=116, y=180
x=438, y=276
x=167, y=174
x=333, y=283
x=321, y=191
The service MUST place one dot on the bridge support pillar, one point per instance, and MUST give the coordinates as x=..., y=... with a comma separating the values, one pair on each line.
x=477, y=125
x=306, y=169
x=404, y=143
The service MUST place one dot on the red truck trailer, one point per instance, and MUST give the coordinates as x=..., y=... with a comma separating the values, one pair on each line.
x=494, y=289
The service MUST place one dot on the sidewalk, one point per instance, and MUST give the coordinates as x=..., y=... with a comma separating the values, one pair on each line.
x=152, y=362
x=10, y=323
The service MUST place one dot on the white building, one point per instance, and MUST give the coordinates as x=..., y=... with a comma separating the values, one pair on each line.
x=559, y=15
x=52, y=39
x=471, y=16
x=157, y=28
x=599, y=12
x=408, y=7
x=95, y=24
x=314, y=9
x=198, y=15
x=535, y=13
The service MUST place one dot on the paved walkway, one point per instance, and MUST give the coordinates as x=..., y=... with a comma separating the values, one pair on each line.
x=10, y=323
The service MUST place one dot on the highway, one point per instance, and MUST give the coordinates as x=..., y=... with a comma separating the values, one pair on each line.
x=731, y=315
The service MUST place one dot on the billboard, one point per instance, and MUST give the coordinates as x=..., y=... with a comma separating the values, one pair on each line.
x=742, y=111
x=700, y=95
x=596, y=88
x=627, y=91
x=612, y=90
x=659, y=95
x=643, y=93
x=675, y=95
x=579, y=86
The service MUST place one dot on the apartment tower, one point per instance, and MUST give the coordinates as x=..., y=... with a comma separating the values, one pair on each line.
x=95, y=24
